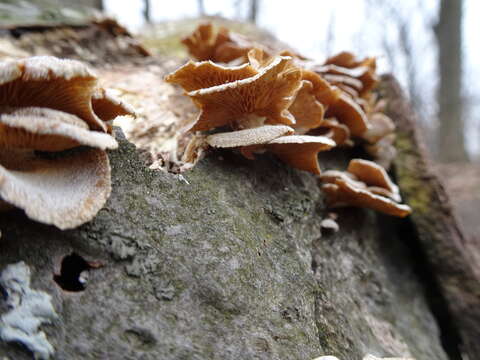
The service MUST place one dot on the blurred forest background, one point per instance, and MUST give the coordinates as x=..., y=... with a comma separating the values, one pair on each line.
x=430, y=45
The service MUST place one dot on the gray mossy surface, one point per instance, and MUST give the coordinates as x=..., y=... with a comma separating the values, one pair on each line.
x=230, y=265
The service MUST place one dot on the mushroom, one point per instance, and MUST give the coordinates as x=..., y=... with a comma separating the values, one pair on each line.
x=332, y=129
x=48, y=130
x=48, y=105
x=301, y=151
x=46, y=81
x=364, y=185
x=338, y=104
x=218, y=44
x=65, y=191
x=248, y=137
x=263, y=98
x=306, y=109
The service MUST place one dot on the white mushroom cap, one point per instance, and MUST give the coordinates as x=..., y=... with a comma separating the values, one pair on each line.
x=247, y=137
x=66, y=191
x=48, y=130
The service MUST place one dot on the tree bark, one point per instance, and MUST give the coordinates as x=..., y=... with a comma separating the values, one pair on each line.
x=448, y=31
x=253, y=13
x=146, y=11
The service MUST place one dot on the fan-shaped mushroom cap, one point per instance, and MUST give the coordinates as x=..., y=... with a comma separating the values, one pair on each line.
x=332, y=129
x=203, y=42
x=248, y=137
x=300, y=151
x=380, y=126
x=107, y=106
x=306, y=109
x=350, y=113
x=199, y=75
x=383, y=151
x=373, y=175
x=45, y=81
x=48, y=130
x=338, y=104
x=344, y=193
x=268, y=94
x=66, y=191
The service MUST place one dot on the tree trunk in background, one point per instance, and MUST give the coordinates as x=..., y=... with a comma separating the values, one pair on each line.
x=98, y=4
x=252, y=16
x=201, y=7
x=146, y=11
x=451, y=145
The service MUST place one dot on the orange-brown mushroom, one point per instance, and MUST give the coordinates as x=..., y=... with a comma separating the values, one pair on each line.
x=306, y=109
x=46, y=81
x=364, y=185
x=209, y=42
x=252, y=101
x=48, y=130
x=49, y=104
x=338, y=104
x=301, y=151
x=332, y=129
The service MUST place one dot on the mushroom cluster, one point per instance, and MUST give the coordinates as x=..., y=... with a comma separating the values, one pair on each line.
x=255, y=100
x=364, y=184
x=54, y=130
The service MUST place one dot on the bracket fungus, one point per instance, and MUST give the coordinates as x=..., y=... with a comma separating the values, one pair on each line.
x=53, y=136
x=292, y=107
x=365, y=184
x=218, y=44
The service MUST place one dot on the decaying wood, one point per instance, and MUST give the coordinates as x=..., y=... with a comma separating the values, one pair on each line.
x=446, y=250
x=229, y=261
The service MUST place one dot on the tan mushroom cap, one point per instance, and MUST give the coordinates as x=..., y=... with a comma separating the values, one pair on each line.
x=373, y=175
x=344, y=193
x=107, y=106
x=203, y=42
x=338, y=104
x=306, y=109
x=301, y=151
x=198, y=75
x=66, y=191
x=383, y=151
x=348, y=112
x=46, y=81
x=380, y=126
x=48, y=130
x=248, y=137
x=268, y=94
x=332, y=129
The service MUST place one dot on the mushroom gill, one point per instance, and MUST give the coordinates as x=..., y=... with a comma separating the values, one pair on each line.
x=262, y=98
x=53, y=133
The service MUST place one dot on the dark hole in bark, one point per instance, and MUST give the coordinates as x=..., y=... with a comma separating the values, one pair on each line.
x=73, y=273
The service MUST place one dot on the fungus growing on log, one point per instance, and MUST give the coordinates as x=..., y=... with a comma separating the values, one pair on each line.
x=365, y=184
x=218, y=44
x=262, y=98
x=294, y=108
x=53, y=106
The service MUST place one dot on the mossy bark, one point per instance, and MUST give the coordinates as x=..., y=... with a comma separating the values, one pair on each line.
x=227, y=263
